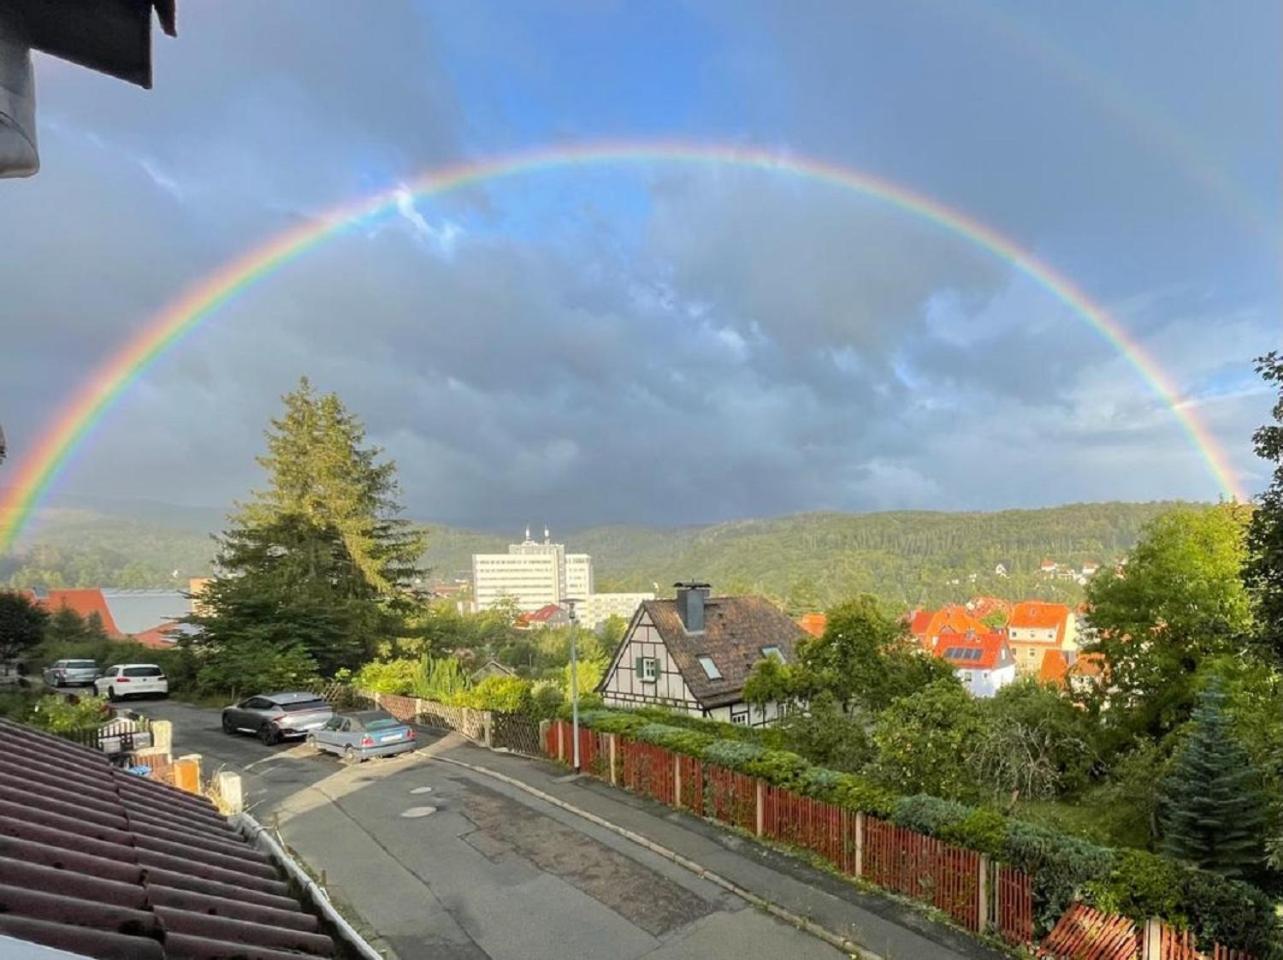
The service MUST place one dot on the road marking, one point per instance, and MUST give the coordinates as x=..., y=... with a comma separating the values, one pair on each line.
x=415, y=812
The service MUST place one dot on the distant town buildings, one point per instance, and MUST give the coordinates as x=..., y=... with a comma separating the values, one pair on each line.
x=982, y=661
x=695, y=652
x=536, y=575
x=1035, y=627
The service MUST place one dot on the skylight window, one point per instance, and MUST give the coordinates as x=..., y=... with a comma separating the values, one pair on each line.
x=710, y=668
x=773, y=652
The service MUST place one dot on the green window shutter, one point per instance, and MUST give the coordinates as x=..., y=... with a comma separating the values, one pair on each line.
x=637, y=666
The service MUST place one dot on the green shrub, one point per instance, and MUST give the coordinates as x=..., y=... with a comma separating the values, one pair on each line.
x=388, y=676
x=501, y=694
x=1060, y=866
x=732, y=754
x=60, y=714
x=927, y=814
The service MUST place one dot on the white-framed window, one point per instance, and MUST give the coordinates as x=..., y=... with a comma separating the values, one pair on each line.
x=739, y=719
x=710, y=668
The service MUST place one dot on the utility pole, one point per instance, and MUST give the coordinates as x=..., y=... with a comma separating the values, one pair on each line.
x=574, y=682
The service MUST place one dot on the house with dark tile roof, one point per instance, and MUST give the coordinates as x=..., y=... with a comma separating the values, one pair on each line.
x=98, y=862
x=695, y=652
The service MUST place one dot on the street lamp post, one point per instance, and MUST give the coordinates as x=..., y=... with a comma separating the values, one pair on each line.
x=574, y=683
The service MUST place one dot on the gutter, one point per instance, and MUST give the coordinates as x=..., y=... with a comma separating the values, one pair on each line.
x=313, y=891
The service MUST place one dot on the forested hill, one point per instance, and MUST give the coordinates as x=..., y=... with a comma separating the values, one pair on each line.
x=815, y=559
x=806, y=560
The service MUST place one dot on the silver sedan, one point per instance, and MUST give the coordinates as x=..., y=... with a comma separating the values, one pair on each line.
x=363, y=734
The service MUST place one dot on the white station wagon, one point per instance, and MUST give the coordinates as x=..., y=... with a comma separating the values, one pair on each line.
x=132, y=680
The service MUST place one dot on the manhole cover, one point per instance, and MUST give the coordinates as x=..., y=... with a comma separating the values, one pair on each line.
x=415, y=812
x=421, y=790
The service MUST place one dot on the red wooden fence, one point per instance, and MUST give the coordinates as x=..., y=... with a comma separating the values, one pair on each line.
x=649, y=770
x=1013, y=900
x=893, y=857
x=822, y=828
x=1087, y=934
x=924, y=868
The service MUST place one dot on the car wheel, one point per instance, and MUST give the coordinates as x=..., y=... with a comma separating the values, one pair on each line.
x=311, y=742
x=350, y=756
x=267, y=735
x=228, y=726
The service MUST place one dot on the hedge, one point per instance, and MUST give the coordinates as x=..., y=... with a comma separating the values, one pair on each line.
x=1063, y=868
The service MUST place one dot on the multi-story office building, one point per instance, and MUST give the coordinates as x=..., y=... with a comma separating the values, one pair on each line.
x=531, y=573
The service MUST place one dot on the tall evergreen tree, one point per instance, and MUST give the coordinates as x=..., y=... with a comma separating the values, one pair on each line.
x=1213, y=807
x=1263, y=571
x=312, y=570
x=22, y=624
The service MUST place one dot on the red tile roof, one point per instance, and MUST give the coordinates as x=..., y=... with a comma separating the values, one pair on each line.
x=974, y=651
x=919, y=620
x=84, y=602
x=1039, y=615
x=160, y=637
x=1059, y=666
x=813, y=623
x=98, y=862
x=951, y=619
x=981, y=607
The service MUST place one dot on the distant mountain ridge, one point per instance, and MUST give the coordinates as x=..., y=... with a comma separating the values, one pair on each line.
x=805, y=560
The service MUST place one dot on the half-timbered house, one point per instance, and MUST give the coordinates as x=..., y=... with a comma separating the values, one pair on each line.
x=695, y=652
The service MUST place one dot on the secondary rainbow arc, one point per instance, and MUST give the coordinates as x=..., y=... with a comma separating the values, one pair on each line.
x=41, y=466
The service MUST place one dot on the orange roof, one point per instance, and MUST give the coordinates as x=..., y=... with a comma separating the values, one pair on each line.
x=1039, y=615
x=974, y=651
x=1058, y=666
x=163, y=636
x=919, y=620
x=83, y=602
x=814, y=623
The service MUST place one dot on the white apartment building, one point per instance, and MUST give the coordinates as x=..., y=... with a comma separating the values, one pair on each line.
x=531, y=573
x=596, y=608
x=579, y=577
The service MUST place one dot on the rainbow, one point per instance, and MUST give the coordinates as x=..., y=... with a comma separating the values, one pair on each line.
x=41, y=466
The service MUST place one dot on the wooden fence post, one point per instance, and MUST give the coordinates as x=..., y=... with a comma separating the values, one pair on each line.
x=1152, y=942
x=561, y=740
x=983, y=893
x=859, y=843
x=613, y=738
x=677, y=781
x=761, y=805
x=544, y=727
x=487, y=729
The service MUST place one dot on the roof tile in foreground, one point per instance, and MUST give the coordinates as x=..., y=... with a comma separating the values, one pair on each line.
x=98, y=862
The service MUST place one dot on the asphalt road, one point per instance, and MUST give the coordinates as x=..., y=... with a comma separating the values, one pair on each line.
x=440, y=863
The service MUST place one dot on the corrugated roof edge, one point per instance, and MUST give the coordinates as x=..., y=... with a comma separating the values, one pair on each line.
x=312, y=892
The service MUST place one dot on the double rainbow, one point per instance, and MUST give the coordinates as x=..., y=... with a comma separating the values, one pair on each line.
x=40, y=467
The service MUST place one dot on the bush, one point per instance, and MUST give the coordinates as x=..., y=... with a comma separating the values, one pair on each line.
x=62, y=714
x=388, y=676
x=1061, y=867
x=501, y=694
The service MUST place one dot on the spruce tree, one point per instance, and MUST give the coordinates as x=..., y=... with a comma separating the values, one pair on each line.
x=313, y=570
x=1213, y=807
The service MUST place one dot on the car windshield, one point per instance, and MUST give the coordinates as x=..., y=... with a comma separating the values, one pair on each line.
x=383, y=723
x=142, y=671
x=299, y=706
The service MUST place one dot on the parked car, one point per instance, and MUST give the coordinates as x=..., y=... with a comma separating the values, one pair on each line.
x=132, y=680
x=363, y=734
x=274, y=717
x=71, y=673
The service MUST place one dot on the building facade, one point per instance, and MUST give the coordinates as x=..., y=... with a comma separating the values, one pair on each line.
x=1036, y=627
x=531, y=574
x=982, y=661
x=597, y=608
x=694, y=654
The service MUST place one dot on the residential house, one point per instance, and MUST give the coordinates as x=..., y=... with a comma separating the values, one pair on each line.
x=1072, y=670
x=984, y=607
x=98, y=862
x=549, y=615
x=85, y=602
x=982, y=661
x=491, y=668
x=953, y=618
x=1036, y=626
x=695, y=652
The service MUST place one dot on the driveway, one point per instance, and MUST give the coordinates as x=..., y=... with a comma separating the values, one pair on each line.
x=441, y=863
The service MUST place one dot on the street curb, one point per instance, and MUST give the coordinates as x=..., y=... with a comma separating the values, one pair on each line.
x=802, y=923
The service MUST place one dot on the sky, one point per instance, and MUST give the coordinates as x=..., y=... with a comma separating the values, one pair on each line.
x=665, y=342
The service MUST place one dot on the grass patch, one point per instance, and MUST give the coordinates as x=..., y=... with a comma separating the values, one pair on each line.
x=1095, y=817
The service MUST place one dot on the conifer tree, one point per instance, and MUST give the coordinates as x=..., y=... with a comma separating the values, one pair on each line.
x=1213, y=807
x=313, y=570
